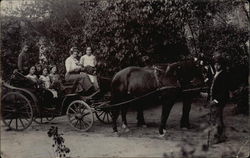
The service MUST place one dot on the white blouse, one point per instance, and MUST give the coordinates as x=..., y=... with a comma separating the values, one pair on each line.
x=87, y=60
x=71, y=64
x=46, y=81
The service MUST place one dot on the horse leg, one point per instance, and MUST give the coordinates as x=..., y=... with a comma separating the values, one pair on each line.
x=187, y=101
x=124, y=110
x=140, y=117
x=115, y=113
x=166, y=108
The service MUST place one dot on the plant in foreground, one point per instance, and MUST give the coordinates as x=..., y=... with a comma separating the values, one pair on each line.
x=60, y=150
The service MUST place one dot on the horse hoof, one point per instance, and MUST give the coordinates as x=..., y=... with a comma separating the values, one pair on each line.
x=126, y=130
x=116, y=134
x=184, y=128
x=124, y=126
x=164, y=131
x=161, y=135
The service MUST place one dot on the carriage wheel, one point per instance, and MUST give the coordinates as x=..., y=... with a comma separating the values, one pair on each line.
x=80, y=115
x=16, y=111
x=104, y=116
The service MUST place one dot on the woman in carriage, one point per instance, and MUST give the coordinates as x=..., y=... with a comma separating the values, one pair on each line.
x=81, y=81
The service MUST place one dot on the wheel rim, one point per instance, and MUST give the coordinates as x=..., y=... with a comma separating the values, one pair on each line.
x=16, y=111
x=104, y=116
x=80, y=115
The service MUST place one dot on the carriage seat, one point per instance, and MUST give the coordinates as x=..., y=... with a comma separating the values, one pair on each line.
x=67, y=87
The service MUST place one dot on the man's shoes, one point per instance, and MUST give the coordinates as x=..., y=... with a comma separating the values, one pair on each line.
x=219, y=139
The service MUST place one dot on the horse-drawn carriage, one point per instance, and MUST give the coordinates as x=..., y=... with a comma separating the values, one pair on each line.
x=21, y=105
x=24, y=102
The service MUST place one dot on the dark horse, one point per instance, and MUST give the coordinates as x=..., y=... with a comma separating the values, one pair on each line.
x=132, y=82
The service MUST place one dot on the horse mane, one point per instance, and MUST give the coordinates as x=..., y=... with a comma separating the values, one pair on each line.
x=183, y=70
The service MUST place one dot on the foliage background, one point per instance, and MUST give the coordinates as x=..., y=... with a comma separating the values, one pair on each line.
x=122, y=32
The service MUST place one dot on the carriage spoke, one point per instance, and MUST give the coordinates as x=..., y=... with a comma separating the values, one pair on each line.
x=86, y=114
x=80, y=124
x=101, y=114
x=16, y=123
x=72, y=110
x=77, y=121
x=108, y=116
x=75, y=108
x=23, y=107
x=25, y=118
x=10, y=122
x=22, y=122
x=12, y=111
x=86, y=122
x=71, y=120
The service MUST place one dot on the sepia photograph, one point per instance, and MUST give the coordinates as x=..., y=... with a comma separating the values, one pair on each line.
x=124, y=78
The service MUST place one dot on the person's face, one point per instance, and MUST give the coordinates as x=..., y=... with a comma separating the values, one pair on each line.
x=32, y=70
x=53, y=70
x=80, y=54
x=75, y=54
x=88, y=51
x=45, y=71
x=217, y=67
x=38, y=68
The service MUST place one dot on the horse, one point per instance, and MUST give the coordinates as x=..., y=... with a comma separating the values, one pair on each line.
x=133, y=82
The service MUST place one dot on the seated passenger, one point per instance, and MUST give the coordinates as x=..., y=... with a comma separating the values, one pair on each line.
x=55, y=78
x=47, y=83
x=38, y=70
x=32, y=75
x=82, y=83
x=89, y=62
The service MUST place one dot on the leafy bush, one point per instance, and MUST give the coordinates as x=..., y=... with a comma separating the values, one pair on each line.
x=120, y=31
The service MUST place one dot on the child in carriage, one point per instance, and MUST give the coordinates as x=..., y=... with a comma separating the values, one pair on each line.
x=38, y=70
x=47, y=82
x=55, y=79
x=32, y=75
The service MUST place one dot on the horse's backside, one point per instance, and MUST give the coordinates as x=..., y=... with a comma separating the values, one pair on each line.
x=130, y=83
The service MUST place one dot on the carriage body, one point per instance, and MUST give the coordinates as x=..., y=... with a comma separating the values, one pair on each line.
x=23, y=102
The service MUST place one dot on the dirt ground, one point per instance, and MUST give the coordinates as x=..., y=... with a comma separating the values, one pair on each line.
x=138, y=142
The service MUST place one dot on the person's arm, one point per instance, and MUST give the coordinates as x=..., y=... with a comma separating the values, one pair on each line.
x=94, y=58
x=82, y=61
x=69, y=67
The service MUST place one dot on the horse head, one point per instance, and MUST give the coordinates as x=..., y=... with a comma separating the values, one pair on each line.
x=188, y=73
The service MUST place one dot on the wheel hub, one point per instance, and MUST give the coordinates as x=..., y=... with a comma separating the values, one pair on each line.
x=79, y=116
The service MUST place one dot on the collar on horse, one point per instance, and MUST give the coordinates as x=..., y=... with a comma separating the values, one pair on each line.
x=156, y=76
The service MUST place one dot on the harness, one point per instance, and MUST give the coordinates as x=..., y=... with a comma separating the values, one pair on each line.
x=156, y=76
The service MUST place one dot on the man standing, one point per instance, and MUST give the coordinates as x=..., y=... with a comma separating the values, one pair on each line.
x=23, y=60
x=219, y=95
